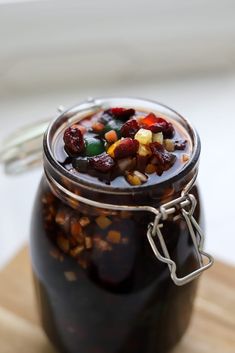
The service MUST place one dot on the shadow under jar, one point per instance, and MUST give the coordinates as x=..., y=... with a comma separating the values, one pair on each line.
x=100, y=287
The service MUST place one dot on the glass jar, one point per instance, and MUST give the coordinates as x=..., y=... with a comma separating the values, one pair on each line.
x=114, y=267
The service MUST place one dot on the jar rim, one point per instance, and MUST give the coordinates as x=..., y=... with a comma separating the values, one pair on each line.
x=105, y=103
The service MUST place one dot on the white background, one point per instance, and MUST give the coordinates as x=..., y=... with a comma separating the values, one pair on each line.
x=180, y=55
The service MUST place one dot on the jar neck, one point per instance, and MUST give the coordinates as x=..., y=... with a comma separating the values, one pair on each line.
x=67, y=186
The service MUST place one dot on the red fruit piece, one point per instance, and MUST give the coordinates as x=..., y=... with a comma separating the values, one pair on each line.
x=163, y=159
x=156, y=124
x=103, y=162
x=120, y=113
x=150, y=119
x=130, y=128
x=126, y=148
x=180, y=145
x=74, y=142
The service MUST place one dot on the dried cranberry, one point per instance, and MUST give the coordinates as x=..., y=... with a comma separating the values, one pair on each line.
x=163, y=159
x=103, y=162
x=180, y=145
x=74, y=142
x=156, y=124
x=120, y=113
x=126, y=148
x=130, y=128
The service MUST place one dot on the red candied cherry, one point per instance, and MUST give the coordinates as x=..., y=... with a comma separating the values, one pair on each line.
x=130, y=128
x=120, y=113
x=163, y=159
x=103, y=162
x=156, y=124
x=126, y=148
x=73, y=140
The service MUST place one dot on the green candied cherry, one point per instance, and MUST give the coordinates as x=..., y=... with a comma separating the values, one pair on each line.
x=94, y=146
x=115, y=125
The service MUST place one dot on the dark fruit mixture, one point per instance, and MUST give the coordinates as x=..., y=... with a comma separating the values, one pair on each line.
x=121, y=142
x=100, y=286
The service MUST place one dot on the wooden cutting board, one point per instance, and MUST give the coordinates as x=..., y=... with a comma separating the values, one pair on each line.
x=212, y=329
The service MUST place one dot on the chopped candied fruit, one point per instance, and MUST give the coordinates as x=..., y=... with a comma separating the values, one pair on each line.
x=76, y=251
x=120, y=113
x=73, y=140
x=102, y=245
x=150, y=169
x=88, y=242
x=94, y=146
x=84, y=221
x=114, y=125
x=169, y=145
x=158, y=137
x=75, y=228
x=63, y=243
x=103, y=222
x=130, y=128
x=111, y=136
x=114, y=236
x=70, y=276
x=133, y=179
x=112, y=148
x=97, y=127
x=144, y=150
x=143, y=178
x=61, y=217
x=185, y=158
x=156, y=124
x=126, y=148
x=144, y=136
x=136, y=178
x=103, y=162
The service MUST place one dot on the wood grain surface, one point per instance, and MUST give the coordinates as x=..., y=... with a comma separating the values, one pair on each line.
x=212, y=329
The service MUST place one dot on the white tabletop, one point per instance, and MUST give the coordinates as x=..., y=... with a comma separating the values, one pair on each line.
x=207, y=102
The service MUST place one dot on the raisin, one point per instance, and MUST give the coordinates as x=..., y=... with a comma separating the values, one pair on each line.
x=156, y=124
x=163, y=159
x=126, y=148
x=180, y=145
x=120, y=113
x=103, y=162
x=74, y=142
x=130, y=128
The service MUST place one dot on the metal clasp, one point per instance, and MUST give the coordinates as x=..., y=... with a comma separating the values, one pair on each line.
x=185, y=205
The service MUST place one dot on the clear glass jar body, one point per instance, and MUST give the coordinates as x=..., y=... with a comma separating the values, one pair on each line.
x=99, y=286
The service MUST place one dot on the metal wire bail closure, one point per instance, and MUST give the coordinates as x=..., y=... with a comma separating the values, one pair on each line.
x=196, y=233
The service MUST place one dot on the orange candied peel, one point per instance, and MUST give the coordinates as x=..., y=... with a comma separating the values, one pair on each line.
x=114, y=236
x=103, y=222
x=111, y=136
